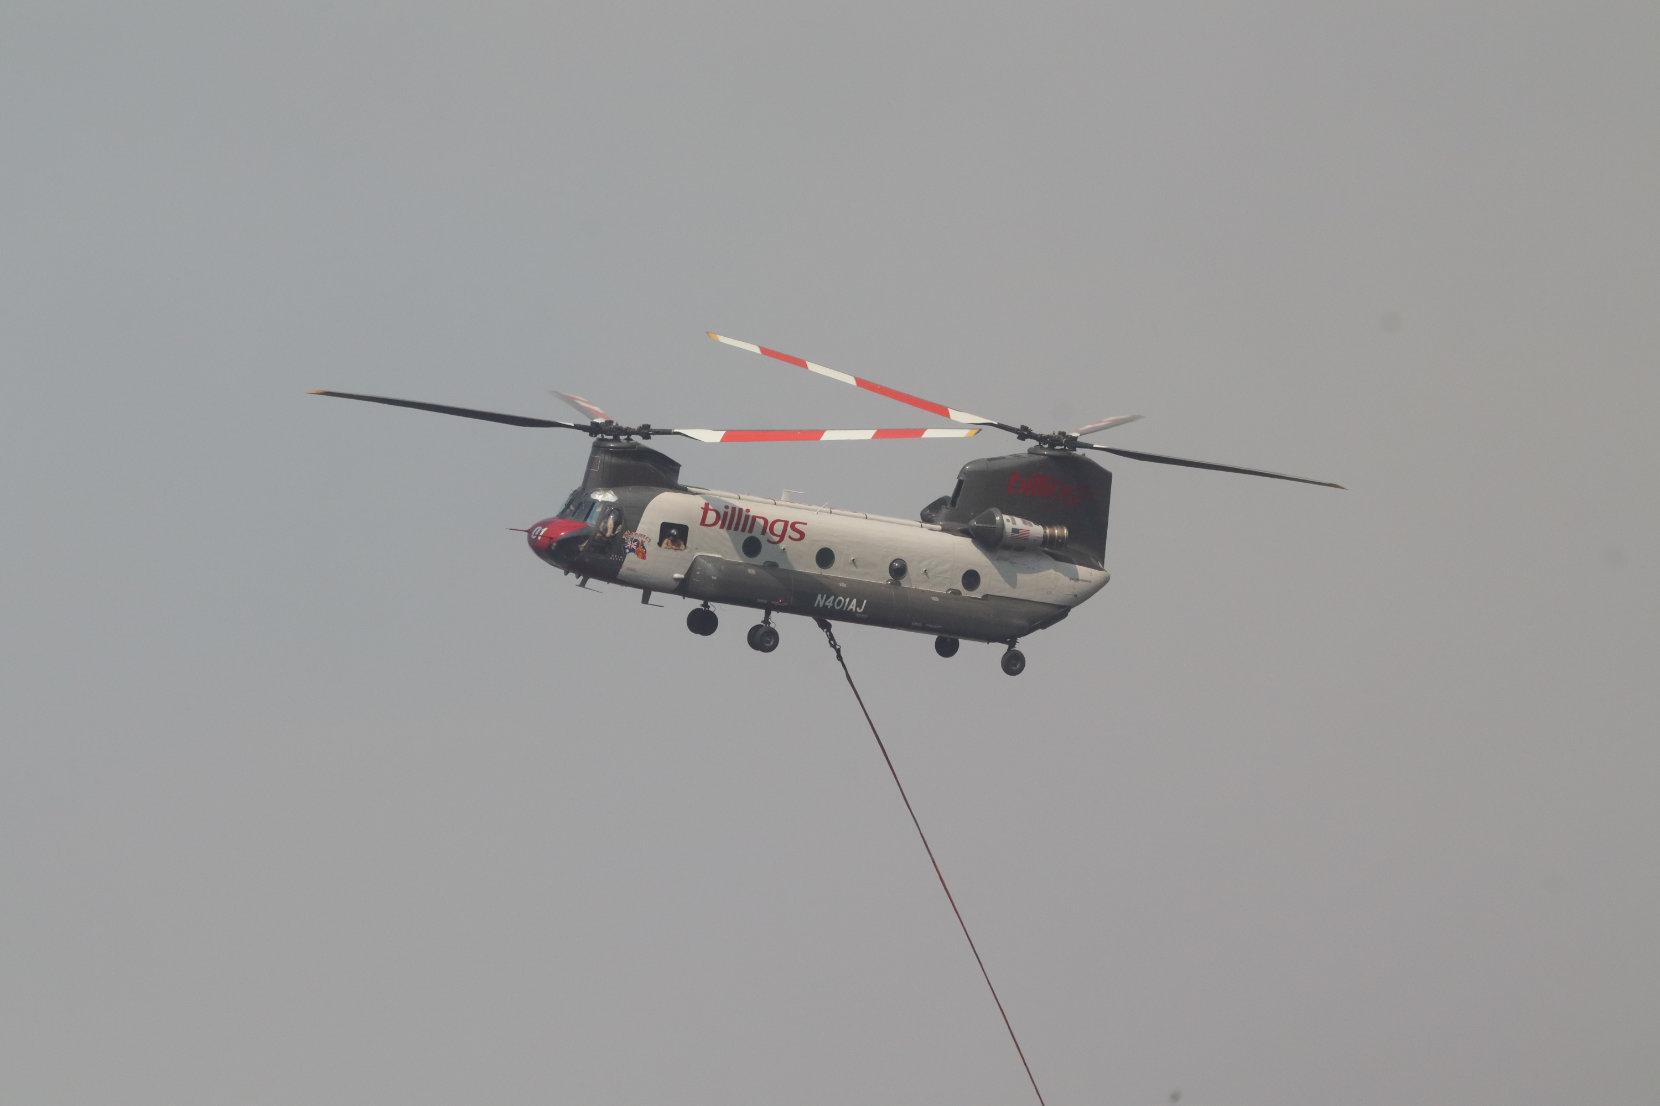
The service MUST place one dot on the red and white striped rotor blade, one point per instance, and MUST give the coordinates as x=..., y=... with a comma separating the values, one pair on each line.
x=918, y=402
x=891, y=433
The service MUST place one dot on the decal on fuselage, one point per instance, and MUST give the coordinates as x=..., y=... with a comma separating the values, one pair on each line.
x=741, y=520
x=1044, y=486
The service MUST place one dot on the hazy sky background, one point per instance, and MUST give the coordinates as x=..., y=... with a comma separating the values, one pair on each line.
x=316, y=787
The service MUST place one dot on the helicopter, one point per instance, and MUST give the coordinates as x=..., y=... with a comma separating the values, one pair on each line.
x=1016, y=545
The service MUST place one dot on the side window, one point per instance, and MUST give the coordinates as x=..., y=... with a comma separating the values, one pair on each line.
x=956, y=492
x=610, y=523
x=672, y=535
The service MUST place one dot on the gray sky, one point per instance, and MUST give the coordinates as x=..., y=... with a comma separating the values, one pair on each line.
x=317, y=787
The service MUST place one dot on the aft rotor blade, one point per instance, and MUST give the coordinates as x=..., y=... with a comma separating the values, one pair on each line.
x=464, y=412
x=730, y=437
x=1104, y=424
x=1160, y=459
x=592, y=410
x=918, y=402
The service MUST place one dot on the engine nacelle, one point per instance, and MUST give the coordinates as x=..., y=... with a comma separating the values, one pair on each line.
x=996, y=530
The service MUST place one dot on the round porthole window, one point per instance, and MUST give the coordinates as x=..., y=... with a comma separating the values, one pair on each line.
x=896, y=568
x=752, y=546
x=971, y=580
x=825, y=557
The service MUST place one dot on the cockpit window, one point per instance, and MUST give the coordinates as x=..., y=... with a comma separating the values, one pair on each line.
x=579, y=507
x=583, y=506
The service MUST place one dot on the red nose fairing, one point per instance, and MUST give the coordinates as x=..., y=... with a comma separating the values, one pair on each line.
x=557, y=540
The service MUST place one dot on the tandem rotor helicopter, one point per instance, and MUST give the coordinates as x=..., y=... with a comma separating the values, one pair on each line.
x=1019, y=542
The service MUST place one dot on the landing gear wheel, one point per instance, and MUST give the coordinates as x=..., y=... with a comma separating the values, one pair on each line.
x=1014, y=661
x=702, y=621
x=946, y=646
x=763, y=638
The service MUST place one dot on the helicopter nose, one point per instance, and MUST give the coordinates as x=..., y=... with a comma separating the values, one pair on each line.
x=555, y=539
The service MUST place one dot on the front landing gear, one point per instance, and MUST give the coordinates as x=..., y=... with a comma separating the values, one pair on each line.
x=946, y=646
x=1014, y=661
x=702, y=620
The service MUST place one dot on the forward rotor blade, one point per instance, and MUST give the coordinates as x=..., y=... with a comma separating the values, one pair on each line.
x=918, y=402
x=592, y=410
x=1104, y=424
x=464, y=412
x=730, y=437
x=1160, y=459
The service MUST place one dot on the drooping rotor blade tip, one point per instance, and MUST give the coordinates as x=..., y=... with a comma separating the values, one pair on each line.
x=587, y=407
x=1105, y=424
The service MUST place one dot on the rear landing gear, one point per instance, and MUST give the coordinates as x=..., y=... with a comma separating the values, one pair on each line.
x=702, y=621
x=763, y=638
x=1014, y=661
x=946, y=646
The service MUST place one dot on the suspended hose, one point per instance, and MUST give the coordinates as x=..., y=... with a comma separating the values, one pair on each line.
x=830, y=636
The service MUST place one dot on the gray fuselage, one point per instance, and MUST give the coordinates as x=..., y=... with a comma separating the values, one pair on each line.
x=724, y=547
